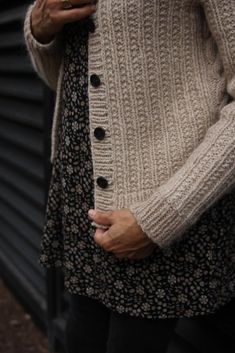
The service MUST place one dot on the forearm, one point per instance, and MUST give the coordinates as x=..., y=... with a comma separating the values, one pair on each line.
x=209, y=171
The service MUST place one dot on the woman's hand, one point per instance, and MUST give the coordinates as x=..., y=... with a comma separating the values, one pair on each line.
x=48, y=17
x=124, y=236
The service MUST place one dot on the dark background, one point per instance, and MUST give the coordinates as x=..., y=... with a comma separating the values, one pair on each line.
x=26, y=107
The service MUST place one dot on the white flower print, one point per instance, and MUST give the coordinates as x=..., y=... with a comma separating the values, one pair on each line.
x=87, y=269
x=189, y=313
x=203, y=299
x=81, y=80
x=209, y=254
x=74, y=280
x=71, y=67
x=213, y=284
x=198, y=273
x=75, y=126
x=74, y=228
x=89, y=291
x=130, y=271
x=182, y=298
x=43, y=258
x=96, y=258
x=70, y=169
x=140, y=290
x=160, y=293
x=69, y=265
x=50, y=223
x=81, y=245
x=66, y=209
x=118, y=284
x=66, y=113
x=145, y=306
x=120, y=309
x=67, y=140
x=190, y=257
x=63, y=182
x=172, y=279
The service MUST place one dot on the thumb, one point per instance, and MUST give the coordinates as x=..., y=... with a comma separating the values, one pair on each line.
x=101, y=217
x=99, y=236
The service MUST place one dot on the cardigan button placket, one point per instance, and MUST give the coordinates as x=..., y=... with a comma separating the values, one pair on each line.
x=99, y=132
x=97, y=102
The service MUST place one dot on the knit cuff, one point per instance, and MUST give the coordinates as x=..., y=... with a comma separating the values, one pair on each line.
x=159, y=220
x=31, y=41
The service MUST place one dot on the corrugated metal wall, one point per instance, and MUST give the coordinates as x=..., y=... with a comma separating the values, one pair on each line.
x=25, y=123
x=22, y=161
x=25, y=114
x=22, y=158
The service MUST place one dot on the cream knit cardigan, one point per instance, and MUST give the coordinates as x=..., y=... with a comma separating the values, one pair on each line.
x=166, y=102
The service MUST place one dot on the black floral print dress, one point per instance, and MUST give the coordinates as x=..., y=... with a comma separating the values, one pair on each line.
x=194, y=276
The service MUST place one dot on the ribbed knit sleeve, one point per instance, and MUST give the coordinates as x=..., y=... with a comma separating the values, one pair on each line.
x=46, y=58
x=209, y=172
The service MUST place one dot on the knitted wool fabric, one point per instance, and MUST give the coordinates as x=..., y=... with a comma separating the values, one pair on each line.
x=194, y=278
x=166, y=103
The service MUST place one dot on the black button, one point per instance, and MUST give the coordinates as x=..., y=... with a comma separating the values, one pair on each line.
x=99, y=133
x=102, y=182
x=95, y=80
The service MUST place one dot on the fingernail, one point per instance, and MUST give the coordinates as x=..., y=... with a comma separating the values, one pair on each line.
x=91, y=213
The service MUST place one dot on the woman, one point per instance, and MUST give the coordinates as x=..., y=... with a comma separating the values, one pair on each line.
x=144, y=139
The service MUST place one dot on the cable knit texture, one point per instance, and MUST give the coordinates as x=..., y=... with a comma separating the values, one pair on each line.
x=166, y=102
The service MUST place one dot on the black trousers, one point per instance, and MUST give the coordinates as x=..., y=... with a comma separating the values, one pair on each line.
x=93, y=328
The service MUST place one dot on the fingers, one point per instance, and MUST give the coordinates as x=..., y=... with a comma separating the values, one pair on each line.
x=103, y=238
x=120, y=238
x=76, y=14
x=105, y=218
x=49, y=16
x=78, y=3
x=106, y=240
x=98, y=236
